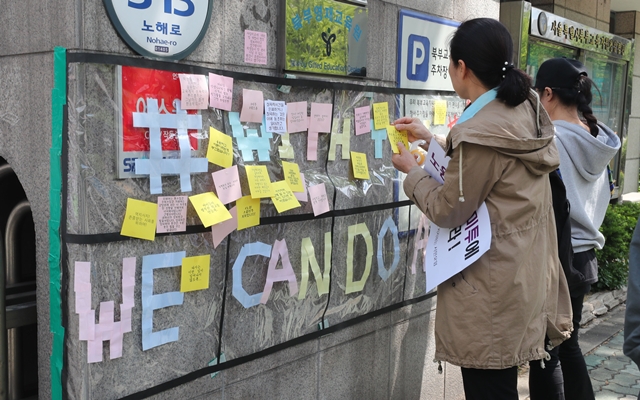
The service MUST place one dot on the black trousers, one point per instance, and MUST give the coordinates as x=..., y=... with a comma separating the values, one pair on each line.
x=565, y=376
x=490, y=384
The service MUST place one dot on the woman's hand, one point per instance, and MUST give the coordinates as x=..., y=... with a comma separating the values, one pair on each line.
x=405, y=160
x=415, y=129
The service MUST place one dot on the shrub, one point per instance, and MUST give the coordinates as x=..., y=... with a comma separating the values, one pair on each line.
x=613, y=259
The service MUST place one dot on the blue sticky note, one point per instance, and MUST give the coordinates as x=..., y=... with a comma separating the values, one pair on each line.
x=379, y=136
x=236, y=125
x=152, y=302
x=249, y=249
x=388, y=225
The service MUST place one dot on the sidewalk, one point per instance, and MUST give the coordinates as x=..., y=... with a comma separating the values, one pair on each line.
x=613, y=375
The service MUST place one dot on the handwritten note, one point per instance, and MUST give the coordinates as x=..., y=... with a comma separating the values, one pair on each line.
x=319, y=199
x=209, y=208
x=283, y=197
x=194, y=93
x=292, y=176
x=195, y=273
x=381, y=115
x=396, y=136
x=252, y=106
x=255, y=47
x=227, y=183
x=172, y=214
x=220, y=91
x=248, y=212
x=275, y=113
x=140, y=219
x=259, y=181
x=360, y=167
x=362, y=118
x=220, y=149
x=297, y=119
x=321, y=117
x=440, y=112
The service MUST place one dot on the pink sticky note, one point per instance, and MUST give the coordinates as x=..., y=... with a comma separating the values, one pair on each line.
x=321, y=117
x=255, y=47
x=362, y=120
x=125, y=319
x=252, y=106
x=87, y=325
x=115, y=342
x=82, y=276
x=83, y=301
x=227, y=182
x=319, y=199
x=302, y=196
x=194, y=92
x=312, y=146
x=94, y=351
x=172, y=214
x=297, y=119
x=223, y=229
x=220, y=91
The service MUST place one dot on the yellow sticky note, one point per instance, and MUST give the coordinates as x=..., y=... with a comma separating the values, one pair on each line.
x=360, y=167
x=283, y=198
x=440, y=112
x=220, y=150
x=248, y=212
x=195, y=273
x=140, y=220
x=259, y=181
x=209, y=208
x=292, y=176
x=396, y=136
x=380, y=115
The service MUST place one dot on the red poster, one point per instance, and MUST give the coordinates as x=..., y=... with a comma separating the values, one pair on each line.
x=138, y=84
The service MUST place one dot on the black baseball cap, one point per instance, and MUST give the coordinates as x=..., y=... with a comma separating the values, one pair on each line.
x=559, y=73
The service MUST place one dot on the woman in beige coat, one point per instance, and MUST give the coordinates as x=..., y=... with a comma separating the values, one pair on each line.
x=493, y=316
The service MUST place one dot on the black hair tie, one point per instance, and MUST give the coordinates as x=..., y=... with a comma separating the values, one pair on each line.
x=507, y=67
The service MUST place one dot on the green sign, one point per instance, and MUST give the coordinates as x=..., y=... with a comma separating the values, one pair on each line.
x=326, y=37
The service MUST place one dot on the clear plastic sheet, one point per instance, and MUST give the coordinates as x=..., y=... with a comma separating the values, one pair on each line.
x=370, y=251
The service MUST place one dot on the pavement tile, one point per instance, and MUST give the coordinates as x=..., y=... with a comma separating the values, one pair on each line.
x=631, y=369
x=622, y=390
x=615, y=364
x=625, y=379
x=607, y=395
x=593, y=360
x=601, y=375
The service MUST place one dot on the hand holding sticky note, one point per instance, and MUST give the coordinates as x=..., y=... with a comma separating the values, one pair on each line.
x=396, y=136
x=140, y=220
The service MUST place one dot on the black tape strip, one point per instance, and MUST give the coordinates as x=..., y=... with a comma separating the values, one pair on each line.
x=191, y=229
x=133, y=61
x=274, y=349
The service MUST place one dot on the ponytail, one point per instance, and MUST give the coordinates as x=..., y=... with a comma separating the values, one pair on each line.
x=514, y=88
x=580, y=96
x=584, y=100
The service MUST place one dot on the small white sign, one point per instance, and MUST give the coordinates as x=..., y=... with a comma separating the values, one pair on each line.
x=450, y=251
x=167, y=29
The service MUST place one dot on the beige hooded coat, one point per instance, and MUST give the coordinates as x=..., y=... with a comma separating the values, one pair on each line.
x=495, y=313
